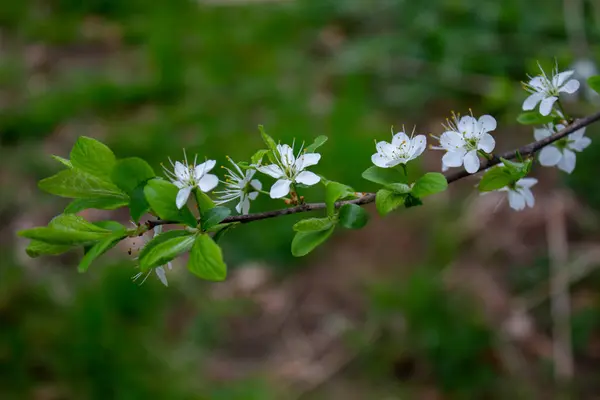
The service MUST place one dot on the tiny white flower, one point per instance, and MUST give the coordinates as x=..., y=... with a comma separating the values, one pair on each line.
x=519, y=193
x=239, y=185
x=289, y=169
x=186, y=177
x=545, y=90
x=160, y=271
x=562, y=152
x=402, y=149
x=462, y=140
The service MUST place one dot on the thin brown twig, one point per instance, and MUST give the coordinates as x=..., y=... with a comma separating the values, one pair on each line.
x=367, y=198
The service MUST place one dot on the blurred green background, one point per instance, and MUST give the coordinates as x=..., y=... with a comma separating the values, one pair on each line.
x=446, y=301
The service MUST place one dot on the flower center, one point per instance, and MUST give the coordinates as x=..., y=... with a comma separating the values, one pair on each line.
x=471, y=143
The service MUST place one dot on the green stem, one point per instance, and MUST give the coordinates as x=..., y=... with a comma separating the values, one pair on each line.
x=404, y=169
x=564, y=113
x=485, y=155
x=196, y=194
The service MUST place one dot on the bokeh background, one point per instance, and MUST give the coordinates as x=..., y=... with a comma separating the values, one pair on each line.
x=445, y=301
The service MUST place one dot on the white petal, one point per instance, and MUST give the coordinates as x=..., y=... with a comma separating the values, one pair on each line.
x=486, y=143
x=550, y=156
x=272, y=170
x=580, y=144
x=160, y=272
x=252, y=195
x=203, y=168
x=280, y=189
x=541, y=133
x=487, y=123
x=570, y=87
x=255, y=183
x=451, y=140
x=453, y=158
x=400, y=138
x=418, y=146
x=527, y=182
x=181, y=171
x=567, y=163
x=559, y=79
x=546, y=105
x=471, y=162
x=528, y=197
x=308, y=178
x=307, y=160
x=578, y=134
x=532, y=101
x=208, y=182
x=467, y=124
x=386, y=149
x=286, y=155
x=380, y=160
x=182, y=196
x=537, y=83
x=243, y=207
x=516, y=200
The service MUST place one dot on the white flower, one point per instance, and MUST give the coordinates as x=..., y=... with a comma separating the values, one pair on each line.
x=519, y=193
x=186, y=177
x=562, y=152
x=240, y=186
x=160, y=271
x=289, y=169
x=400, y=151
x=463, y=138
x=546, y=90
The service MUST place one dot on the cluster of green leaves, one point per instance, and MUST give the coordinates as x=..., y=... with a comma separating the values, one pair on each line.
x=506, y=174
x=95, y=178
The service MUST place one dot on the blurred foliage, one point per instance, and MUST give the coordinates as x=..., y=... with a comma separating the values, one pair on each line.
x=150, y=78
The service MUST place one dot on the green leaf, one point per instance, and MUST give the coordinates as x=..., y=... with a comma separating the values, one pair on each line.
x=313, y=224
x=495, y=178
x=384, y=176
x=138, y=205
x=112, y=226
x=412, y=201
x=67, y=229
x=399, y=188
x=353, y=216
x=213, y=216
x=428, y=184
x=305, y=242
x=161, y=196
x=258, y=156
x=267, y=139
x=387, y=201
x=533, y=118
x=99, y=203
x=93, y=157
x=594, y=83
x=517, y=170
x=203, y=200
x=75, y=183
x=63, y=161
x=206, y=259
x=164, y=248
x=319, y=141
x=37, y=248
x=98, y=249
x=335, y=191
x=129, y=173
x=222, y=229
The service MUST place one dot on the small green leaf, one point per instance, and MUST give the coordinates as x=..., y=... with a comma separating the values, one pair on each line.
x=206, y=259
x=164, y=248
x=203, y=200
x=112, y=226
x=258, y=156
x=99, y=203
x=305, y=242
x=67, y=229
x=353, y=216
x=384, y=176
x=267, y=139
x=138, y=205
x=93, y=157
x=161, y=196
x=594, y=83
x=412, y=201
x=517, y=170
x=222, y=229
x=335, y=191
x=387, y=201
x=213, y=216
x=63, y=161
x=75, y=183
x=533, y=118
x=313, y=224
x=319, y=141
x=495, y=178
x=428, y=184
x=129, y=173
x=399, y=188
x=37, y=248
x=98, y=249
